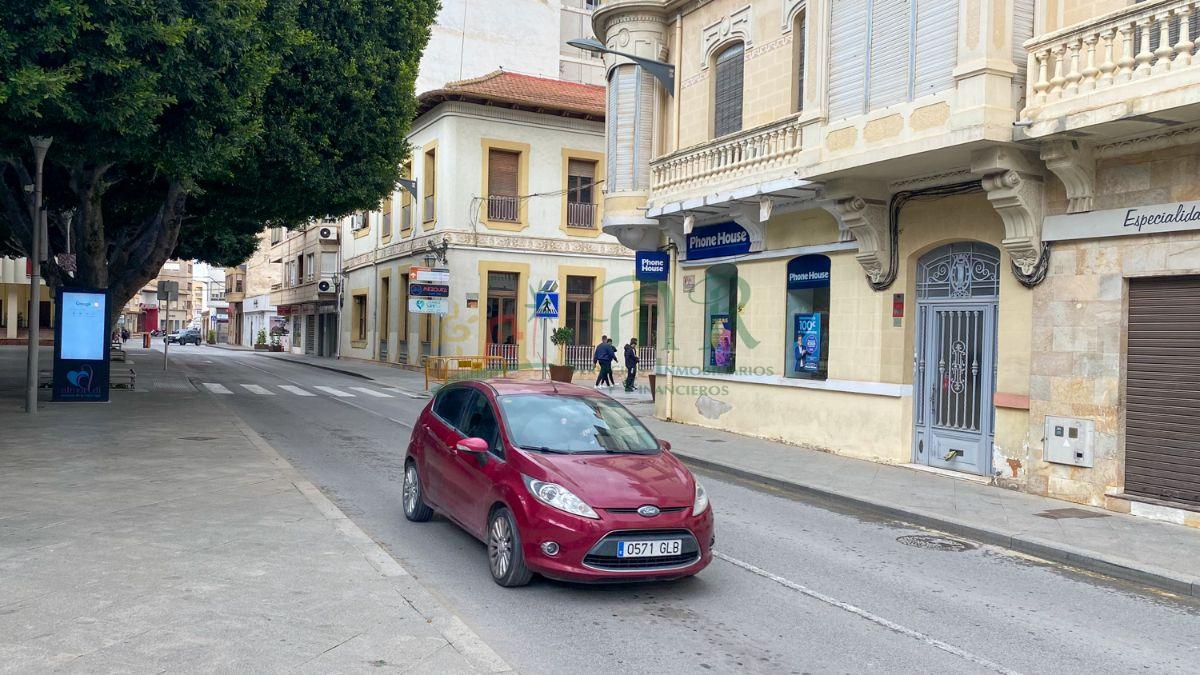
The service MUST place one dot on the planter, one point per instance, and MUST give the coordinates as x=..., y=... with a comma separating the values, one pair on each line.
x=261, y=348
x=562, y=373
x=276, y=348
x=650, y=379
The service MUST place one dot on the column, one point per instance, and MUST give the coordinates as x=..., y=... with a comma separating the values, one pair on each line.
x=12, y=305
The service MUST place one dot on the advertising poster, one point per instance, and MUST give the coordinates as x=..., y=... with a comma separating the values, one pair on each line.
x=806, y=343
x=720, y=353
x=81, y=344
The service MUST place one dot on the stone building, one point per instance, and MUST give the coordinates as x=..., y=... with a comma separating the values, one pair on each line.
x=879, y=228
x=254, y=278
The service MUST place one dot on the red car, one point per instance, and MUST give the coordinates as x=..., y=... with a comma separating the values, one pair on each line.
x=558, y=480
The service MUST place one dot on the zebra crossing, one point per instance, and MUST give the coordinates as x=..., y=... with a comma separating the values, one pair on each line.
x=311, y=390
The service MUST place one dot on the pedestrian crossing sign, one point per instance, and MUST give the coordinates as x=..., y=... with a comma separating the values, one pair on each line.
x=547, y=305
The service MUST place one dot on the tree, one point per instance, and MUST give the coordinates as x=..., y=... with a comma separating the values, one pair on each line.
x=183, y=127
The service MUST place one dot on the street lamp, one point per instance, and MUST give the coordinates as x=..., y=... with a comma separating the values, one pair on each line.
x=41, y=145
x=663, y=72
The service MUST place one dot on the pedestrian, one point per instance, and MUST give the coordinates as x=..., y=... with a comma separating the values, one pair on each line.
x=631, y=362
x=124, y=335
x=600, y=356
x=612, y=356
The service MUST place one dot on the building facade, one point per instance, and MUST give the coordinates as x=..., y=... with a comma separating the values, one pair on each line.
x=507, y=170
x=144, y=312
x=307, y=296
x=256, y=277
x=878, y=214
x=14, y=303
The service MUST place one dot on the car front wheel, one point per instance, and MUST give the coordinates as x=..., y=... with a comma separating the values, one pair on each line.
x=505, y=559
x=415, y=508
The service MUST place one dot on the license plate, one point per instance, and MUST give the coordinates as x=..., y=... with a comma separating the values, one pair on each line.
x=649, y=548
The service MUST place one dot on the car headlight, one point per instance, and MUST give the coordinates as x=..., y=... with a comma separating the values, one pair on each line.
x=701, y=502
x=559, y=497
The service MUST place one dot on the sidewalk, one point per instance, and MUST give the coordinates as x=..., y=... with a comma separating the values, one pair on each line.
x=160, y=533
x=1127, y=547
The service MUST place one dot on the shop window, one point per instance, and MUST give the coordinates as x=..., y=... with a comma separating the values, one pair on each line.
x=727, y=90
x=502, y=307
x=579, y=308
x=721, y=304
x=807, y=354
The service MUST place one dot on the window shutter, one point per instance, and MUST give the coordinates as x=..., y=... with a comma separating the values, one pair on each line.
x=622, y=114
x=798, y=34
x=644, y=130
x=1022, y=31
x=847, y=57
x=890, y=40
x=502, y=172
x=936, y=53
x=728, y=90
x=581, y=168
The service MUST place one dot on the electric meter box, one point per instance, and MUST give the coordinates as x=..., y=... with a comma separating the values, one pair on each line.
x=1069, y=441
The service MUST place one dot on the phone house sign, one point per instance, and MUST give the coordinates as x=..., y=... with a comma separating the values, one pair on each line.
x=1174, y=217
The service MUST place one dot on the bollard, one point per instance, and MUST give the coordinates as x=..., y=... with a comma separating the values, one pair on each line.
x=145, y=341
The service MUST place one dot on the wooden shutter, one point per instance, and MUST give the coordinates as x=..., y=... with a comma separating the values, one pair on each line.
x=847, y=57
x=1162, y=390
x=622, y=120
x=935, y=52
x=890, y=39
x=503, y=167
x=727, y=104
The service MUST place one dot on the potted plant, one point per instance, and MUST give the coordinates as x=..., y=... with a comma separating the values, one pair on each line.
x=561, y=337
x=212, y=337
x=276, y=345
x=260, y=340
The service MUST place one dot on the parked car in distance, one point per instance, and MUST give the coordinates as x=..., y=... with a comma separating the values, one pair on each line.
x=183, y=337
x=558, y=480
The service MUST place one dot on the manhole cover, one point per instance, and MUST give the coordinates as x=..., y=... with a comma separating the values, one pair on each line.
x=935, y=543
x=197, y=438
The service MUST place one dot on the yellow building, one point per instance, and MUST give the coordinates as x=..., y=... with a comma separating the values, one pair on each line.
x=854, y=196
x=14, y=304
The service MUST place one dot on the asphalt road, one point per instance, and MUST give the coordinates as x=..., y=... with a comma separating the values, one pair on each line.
x=799, y=586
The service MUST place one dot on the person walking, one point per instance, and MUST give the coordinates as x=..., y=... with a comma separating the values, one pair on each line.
x=631, y=363
x=601, y=357
x=612, y=356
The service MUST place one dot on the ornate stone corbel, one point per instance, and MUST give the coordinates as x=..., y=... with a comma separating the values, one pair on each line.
x=1017, y=198
x=1075, y=166
x=676, y=232
x=867, y=221
x=750, y=218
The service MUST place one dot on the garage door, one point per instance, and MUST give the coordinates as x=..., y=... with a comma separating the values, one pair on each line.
x=1162, y=419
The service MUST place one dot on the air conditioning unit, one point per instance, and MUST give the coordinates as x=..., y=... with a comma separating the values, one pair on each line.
x=328, y=233
x=325, y=286
x=357, y=222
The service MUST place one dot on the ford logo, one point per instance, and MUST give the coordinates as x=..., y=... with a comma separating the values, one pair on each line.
x=648, y=511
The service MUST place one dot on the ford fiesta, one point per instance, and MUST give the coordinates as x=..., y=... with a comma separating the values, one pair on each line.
x=557, y=480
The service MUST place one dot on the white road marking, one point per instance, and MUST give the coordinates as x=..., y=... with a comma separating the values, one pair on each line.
x=873, y=618
x=371, y=392
x=335, y=392
x=217, y=388
x=258, y=389
x=403, y=392
x=292, y=389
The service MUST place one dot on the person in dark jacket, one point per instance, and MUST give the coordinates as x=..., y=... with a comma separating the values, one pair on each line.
x=604, y=357
x=631, y=363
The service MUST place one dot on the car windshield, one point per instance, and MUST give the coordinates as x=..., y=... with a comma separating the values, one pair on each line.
x=574, y=424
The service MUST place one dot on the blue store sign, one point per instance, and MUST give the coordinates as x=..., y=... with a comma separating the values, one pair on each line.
x=808, y=271
x=718, y=240
x=652, y=265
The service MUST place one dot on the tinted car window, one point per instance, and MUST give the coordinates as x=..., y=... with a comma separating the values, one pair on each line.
x=450, y=403
x=480, y=422
x=575, y=424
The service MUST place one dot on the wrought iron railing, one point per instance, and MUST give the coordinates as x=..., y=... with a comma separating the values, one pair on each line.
x=581, y=214
x=504, y=207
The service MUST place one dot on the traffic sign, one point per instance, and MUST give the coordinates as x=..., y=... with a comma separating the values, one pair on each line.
x=429, y=305
x=431, y=275
x=547, y=305
x=429, y=290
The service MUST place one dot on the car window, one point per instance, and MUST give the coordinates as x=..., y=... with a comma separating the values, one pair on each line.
x=480, y=422
x=450, y=403
x=574, y=424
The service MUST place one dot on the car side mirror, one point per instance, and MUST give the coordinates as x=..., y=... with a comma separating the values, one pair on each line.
x=664, y=444
x=473, y=446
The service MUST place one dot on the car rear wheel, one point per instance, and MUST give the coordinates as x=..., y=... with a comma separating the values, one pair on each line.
x=505, y=559
x=415, y=508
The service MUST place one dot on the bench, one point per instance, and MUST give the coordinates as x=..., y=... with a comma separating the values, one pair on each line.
x=118, y=378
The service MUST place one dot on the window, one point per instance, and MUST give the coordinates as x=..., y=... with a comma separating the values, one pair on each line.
x=428, y=213
x=329, y=266
x=276, y=235
x=359, y=316
x=450, y=404
x=630, y=120
x=720, y=302
x=581, y=197
x=385, y=306
x=406, y=200
x=385, y=210
x=310, y=268
x=503, y=170
x=402, y=306
x=579, y=308
x=574, y=424
x=648, y=314
x=727, y=90
x=502, y=307
x=874, y=61
x=807, y=325
x=798, y=39
x=480, y=422
x=359, y=221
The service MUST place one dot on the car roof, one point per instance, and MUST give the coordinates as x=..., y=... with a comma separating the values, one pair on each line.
x=504, y=386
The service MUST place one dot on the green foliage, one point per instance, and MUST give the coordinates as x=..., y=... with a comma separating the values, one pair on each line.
x=261, y=338
x=561, y=336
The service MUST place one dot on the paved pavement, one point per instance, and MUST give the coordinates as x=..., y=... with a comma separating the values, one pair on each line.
x=801, y=583
x=159, y=532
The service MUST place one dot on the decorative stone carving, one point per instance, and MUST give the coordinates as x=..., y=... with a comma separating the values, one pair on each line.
x=1075, y=166
x=790, y=9
x=1017, y=198
x=736, y=25
x=867, y=221
x=750, y=218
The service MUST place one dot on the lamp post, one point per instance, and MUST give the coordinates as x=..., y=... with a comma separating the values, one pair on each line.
x=663, y=72
x=37, y=218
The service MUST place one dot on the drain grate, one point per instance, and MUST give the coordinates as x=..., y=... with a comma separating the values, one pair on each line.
x=1059, y=514
x=933, y=542
x=197, y=438
x=715, y=440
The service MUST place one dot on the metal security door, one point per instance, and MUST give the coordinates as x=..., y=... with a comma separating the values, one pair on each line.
x=954, y=361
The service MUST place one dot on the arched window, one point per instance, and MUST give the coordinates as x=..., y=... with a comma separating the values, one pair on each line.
x=807, y=325
x=798, y=28
x=727, y=90
x=720, y=304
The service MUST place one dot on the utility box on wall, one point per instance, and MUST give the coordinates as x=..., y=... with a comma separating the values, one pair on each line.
x=1069, y=441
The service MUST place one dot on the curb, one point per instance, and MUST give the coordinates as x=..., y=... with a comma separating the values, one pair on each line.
x=1047, y=550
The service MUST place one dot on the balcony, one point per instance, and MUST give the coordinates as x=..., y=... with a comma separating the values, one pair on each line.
x=581, y=214
x=1120, y=74
x=504, y=208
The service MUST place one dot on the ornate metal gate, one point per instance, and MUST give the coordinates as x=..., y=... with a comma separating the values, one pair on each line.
x=954, y=361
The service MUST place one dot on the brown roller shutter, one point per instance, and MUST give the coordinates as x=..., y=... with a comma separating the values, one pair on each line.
x=502, y=173
x=1162, y=416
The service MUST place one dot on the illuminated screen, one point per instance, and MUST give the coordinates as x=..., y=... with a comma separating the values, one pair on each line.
x=83, y=326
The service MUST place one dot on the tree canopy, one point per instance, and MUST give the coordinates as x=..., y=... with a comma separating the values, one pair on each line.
x=183, y=127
